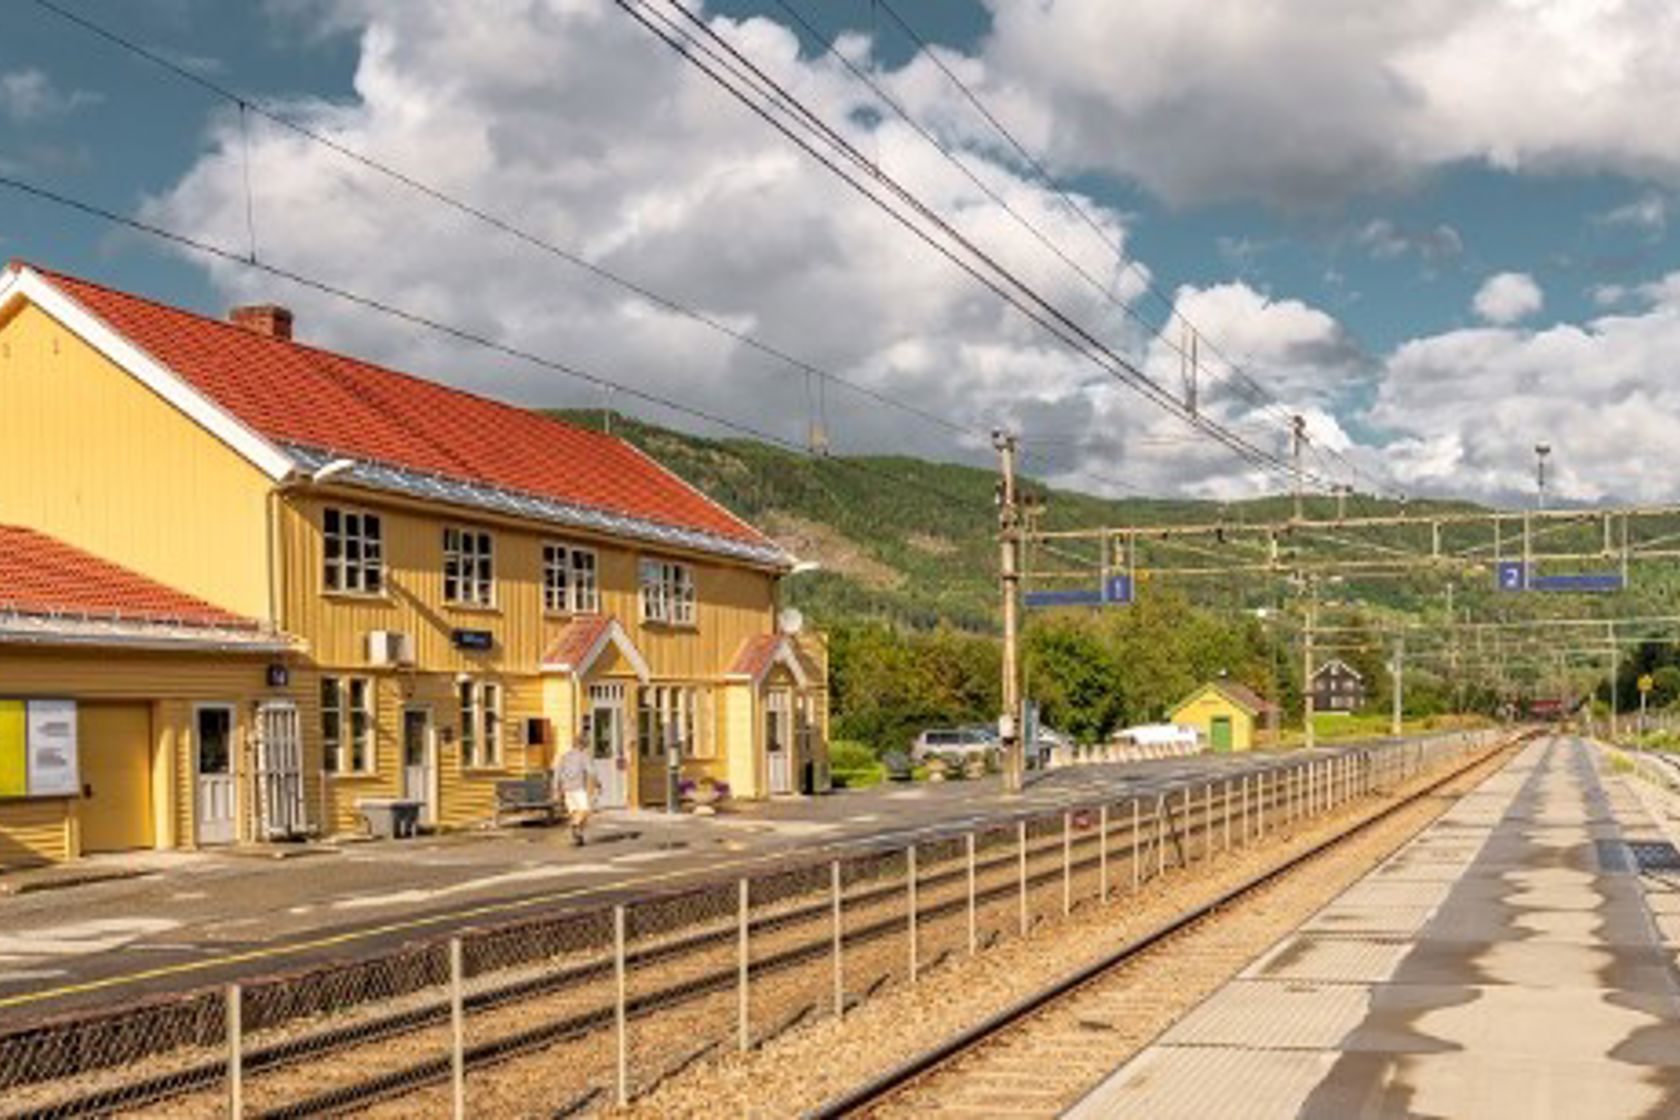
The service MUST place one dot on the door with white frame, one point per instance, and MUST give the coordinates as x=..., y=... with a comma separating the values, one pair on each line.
x=419, y=757
x=215, y=775
x=778, y=738
x=606, y=744
x=280, y=804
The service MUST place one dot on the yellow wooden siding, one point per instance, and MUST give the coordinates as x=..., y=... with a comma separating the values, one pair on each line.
x=733, y=603
x=90, y=455
x=33, y=832
x=170, y=683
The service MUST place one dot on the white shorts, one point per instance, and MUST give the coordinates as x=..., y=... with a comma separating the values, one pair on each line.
x=577, y=801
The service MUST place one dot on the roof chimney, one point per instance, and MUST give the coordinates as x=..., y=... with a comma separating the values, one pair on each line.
x=264, y=318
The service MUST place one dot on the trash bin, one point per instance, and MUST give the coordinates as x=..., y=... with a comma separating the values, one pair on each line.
x=390, y=818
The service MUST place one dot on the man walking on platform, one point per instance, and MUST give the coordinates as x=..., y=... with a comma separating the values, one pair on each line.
x=577, y=787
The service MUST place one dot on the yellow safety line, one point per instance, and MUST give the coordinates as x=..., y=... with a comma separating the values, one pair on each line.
x=362, y=934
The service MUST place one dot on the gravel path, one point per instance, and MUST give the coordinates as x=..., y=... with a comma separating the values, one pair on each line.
x=823, y=1059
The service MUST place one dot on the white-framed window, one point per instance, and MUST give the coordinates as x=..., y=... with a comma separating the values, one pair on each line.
x=352, y=551
x=347, y=725
x=481, y=724
x=469, y=567
x=671, y=715
x=569, y=583
x=667, y=592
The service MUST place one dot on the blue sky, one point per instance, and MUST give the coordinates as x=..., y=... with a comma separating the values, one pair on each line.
x=1382, y=251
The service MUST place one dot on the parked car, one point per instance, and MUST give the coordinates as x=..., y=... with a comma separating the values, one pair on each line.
x=953, y=743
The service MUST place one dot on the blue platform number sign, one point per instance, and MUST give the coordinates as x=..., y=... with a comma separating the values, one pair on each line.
x=1118, y=589
x=1512, y=575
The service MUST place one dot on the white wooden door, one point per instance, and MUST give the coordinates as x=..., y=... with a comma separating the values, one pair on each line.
x=606, y=744
x=420, y=763
x=280, y=805
x=216, y=799
x=778, y=739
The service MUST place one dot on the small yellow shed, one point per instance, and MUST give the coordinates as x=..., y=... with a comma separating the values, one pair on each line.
x=1224, y=712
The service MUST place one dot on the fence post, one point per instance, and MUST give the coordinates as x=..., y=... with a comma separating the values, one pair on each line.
x=973, y=932
x=1162, y=807
x=1225, y=791
x=621, y=1016
x=457, y=1031
x=1207, y=822
x=838, y=907
x=236, y=1055
x=1022, y=834
x=910, y=904
x=1102, y=856
x=1067, y=862
x=1137, y=845
x=744, y=1041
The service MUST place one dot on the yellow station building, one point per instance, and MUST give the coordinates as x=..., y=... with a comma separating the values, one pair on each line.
x=247, y=584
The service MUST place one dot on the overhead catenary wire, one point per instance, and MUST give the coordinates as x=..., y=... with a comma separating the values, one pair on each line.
x=247, y=104
x=1259, y=393
x=449, y=330
x=764, y=97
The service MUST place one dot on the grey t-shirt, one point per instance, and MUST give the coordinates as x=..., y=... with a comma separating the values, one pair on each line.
x=574, y=771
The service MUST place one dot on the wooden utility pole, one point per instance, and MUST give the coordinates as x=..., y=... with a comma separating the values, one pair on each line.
x=1615, y=683
x=1298, y=424
x=1309, y=735
x=1009, y=553
x=1399, y=686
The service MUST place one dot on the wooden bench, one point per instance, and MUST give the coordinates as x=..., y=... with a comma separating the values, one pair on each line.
x=531, y=794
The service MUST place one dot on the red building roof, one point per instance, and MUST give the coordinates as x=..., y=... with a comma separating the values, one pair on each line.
x=294, y=394
x=40, y=575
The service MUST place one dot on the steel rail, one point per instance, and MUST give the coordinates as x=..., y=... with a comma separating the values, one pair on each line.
x=879, y=1089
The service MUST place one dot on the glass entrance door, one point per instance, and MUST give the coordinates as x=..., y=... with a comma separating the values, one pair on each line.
x=217, y=794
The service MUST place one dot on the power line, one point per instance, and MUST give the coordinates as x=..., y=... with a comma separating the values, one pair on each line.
x=1171, y=306
x=247, y=104
x=772, y=103
x=449, y=330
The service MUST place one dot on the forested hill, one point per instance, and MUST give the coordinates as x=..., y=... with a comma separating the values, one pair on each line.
x=899, y=539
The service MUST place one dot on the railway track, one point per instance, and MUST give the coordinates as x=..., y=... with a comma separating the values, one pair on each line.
x=1040, y=1054
x=1201, y=825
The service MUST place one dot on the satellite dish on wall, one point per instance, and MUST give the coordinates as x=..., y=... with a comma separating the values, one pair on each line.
x=790, y=621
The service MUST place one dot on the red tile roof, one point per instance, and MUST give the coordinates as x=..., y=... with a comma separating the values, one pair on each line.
x=291, y=393
x=1244, y=696
x=755, y=655
x=40, y=575
x=576, y=639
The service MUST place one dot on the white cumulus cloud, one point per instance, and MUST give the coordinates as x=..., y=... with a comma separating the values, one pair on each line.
x=1507, y=297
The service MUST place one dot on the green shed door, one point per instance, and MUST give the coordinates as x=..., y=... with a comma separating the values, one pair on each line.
x=1219, y=732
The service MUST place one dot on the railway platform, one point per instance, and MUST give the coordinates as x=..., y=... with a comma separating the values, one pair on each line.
x=1516, y=959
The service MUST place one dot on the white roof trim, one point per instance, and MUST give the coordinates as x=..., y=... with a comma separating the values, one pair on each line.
x=64, y=630
x=784, y=655
x=27, y=284
x=1332, y=663
x=615, y=636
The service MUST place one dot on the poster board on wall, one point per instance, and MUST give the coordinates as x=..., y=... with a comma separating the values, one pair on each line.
x=51, y=743
x=14, y=765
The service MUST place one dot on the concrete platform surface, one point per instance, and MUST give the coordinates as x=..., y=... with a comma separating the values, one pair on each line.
x=1514, y=960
